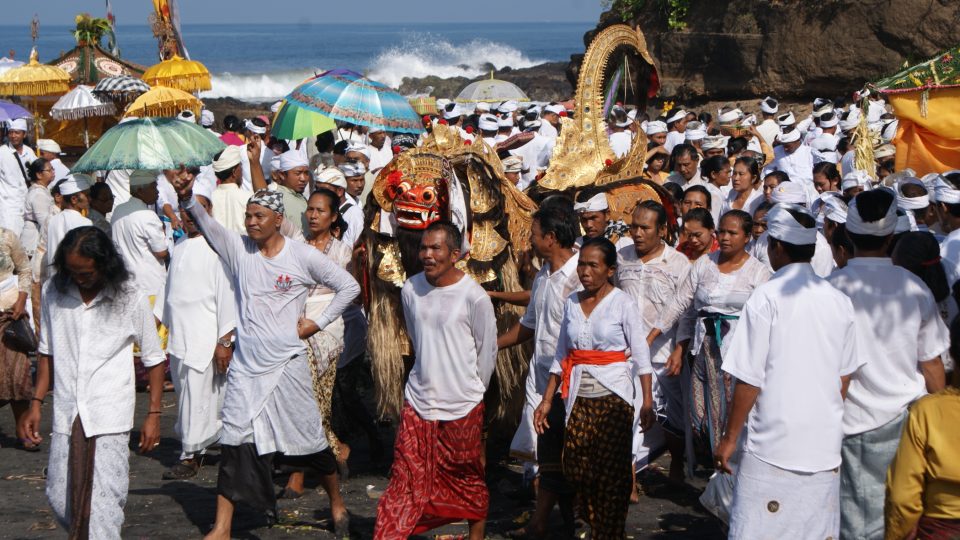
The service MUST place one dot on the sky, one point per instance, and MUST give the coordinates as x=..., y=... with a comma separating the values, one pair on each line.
x=135, y=12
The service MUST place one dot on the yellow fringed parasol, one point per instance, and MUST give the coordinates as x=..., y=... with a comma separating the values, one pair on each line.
x=34, y=79
x=176, y=72
x=162, y=101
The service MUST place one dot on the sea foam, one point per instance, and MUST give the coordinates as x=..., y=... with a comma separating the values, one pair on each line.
x=418, y=55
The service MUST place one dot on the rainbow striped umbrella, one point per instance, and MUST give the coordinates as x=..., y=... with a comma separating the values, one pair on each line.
x=347, y=96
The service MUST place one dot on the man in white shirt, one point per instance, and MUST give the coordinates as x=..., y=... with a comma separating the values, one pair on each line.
x=139, y=234
x=75, y=192
x=229, y=199
x=792, y=355
x=686, y=170
x=552, y=236
x=651, y=272
x=451, y=322
x=900, y=336
x=768, y=128
x=91, y=318
x=269, y=405
x=14, y=159
x=489, y=129
x=49, y=150
x=351, y=207
x=791, y=192
x=199, y=311
x=620, y=137
x=594, y=215
x=551, y=120
x=380, y=148
x=676, y=124
x=792, y=157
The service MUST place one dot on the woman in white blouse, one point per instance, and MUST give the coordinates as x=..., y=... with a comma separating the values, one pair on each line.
x=747, y=190
x=706, y=310
x=600, y=355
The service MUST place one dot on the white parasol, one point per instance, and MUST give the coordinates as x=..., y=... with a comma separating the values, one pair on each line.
x=80, y=104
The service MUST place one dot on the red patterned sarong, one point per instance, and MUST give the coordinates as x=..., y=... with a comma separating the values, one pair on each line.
x=437, y=476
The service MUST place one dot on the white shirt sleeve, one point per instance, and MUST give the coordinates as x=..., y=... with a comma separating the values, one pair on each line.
x=484, y=326
x=684, y=300
x=330, y=275
x=636, y=333
x=746, y=359
x=154, y=235
x=563, y=342
x=934, y=337
x=145, y=326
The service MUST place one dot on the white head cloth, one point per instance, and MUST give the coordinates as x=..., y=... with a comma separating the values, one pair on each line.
x=358, y=148
x=487, y=122
x=204, y=189
x=789, y=136
x=754, y=146
x=789, y=192
x=834, y=208
x=632, y=114
x=851, y=121
x=188, y=116
x=253, y=128
x=332, y=176
x=48, y=145
x=677, y=115
x=694, y=132
x=656, y=126
x=143, y=177
x=513, y=164
x=453, y=112
x=505, y=122
x=206, y=118
x=730, y=117
x=912, y=203
x=715, y=142
x=749, y=120
x=274, y=163
x=884, y=226
x=889, y=130
x=944, y=191
x=786, y=119
x=508, y=106
x=231, y=156
x=18, y=124
x=854, y=178
x=555, y=108
x=829, y=121
x=769, y=105
x=597, y=203
x=884, y=151
x=482, y=107
x=291, y=159
x=75, y=183
x=351, y=169
x=784, y=227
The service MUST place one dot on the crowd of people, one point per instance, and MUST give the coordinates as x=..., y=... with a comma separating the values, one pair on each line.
x=778, y=315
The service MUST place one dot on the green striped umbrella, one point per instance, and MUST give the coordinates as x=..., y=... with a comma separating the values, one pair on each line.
x=151, y=143
x=294, y=122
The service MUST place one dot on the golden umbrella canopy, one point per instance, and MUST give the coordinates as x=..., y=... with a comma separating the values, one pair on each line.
x=34, y=79
x=176, y=72
x=163, y=101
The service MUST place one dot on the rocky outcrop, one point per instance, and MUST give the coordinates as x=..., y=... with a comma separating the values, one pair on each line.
x=544, y=82
x=788, y=48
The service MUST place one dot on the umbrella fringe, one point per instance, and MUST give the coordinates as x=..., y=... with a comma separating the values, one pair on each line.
x=187, y=83
x=164, y=110
x=85, y=112
x=33, y=88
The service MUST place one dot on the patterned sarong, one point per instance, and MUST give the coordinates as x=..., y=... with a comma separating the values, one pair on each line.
x=931, y=528
x=710, y=395
x=597, y=458
x=323, y=351
x=437, y=476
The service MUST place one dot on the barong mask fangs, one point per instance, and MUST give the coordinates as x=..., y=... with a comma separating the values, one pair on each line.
x=417, y=190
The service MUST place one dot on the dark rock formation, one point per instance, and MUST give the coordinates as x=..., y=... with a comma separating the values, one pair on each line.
x=788, y=48
x=544, y=82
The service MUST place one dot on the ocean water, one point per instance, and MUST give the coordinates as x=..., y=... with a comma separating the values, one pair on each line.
x=265, y=62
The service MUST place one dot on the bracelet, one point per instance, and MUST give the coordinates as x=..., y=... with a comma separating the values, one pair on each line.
x=37, y=399
x=154, y=412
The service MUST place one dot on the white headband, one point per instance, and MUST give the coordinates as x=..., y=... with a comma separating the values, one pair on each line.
x=944, y=192
x=253, y=128
x=677, y=116
x=786, y=119
x=854, y=178
x=769, y=105
x=597, y=203
x=912, y=203
x=790, y=136
x=730, y=116
x=834, y=208
x=656, y=126
x=884, y=226
x=715, y=142
x=487, y=122
x=784, y=227
x=789, y=192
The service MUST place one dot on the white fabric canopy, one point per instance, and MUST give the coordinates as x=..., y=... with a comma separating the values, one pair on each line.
x=81, y=103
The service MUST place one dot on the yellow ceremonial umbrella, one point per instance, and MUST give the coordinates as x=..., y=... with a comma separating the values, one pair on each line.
x=34, y=79
x=176, y=72
x=163, y=101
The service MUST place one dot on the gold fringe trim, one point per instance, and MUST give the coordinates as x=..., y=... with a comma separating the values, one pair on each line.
x=165, y=109
x=188, y=83
x=33, y=88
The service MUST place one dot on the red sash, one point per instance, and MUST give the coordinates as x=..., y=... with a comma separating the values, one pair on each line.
x=577, y=357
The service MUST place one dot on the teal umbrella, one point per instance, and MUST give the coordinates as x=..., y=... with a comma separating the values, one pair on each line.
x=151, y=143
x=294, y=122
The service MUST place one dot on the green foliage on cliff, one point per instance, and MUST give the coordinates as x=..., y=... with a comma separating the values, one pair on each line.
x=675, y=10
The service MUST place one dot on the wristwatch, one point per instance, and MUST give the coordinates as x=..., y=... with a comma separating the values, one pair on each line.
x=226, y=342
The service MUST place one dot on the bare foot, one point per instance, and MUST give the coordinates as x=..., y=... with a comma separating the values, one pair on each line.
x=217, y=534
